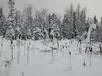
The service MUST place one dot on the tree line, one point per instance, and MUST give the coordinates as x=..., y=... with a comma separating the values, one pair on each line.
x=42, y=24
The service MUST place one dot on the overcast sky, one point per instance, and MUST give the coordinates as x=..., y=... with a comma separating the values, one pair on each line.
x=94, y=7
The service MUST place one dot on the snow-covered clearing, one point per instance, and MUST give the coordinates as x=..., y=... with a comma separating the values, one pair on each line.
x=37, y=59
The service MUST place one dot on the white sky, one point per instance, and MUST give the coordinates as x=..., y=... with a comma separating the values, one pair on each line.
x=93, y=6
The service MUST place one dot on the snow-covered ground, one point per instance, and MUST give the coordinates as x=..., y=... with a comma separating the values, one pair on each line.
x=36, y=58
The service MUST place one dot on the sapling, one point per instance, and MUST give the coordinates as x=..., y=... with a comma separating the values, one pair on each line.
x=63, y=50
x=22, y=73
x=100, y=47
x=1, y=51
x=18, y=51
x=24, y=47
x=90, y=55
x=52, y=53
x=84, y=63
x=27, y=54
x=1, y=48
x=66, y=47
x=70, y=59
x=7, y=64
x=57, y=44
x=12, y=50
x=79, y=46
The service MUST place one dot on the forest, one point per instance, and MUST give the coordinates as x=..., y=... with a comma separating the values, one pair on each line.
x=42, y=24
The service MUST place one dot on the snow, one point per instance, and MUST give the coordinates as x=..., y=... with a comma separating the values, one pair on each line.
x=92, y=26
x=41, y=63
